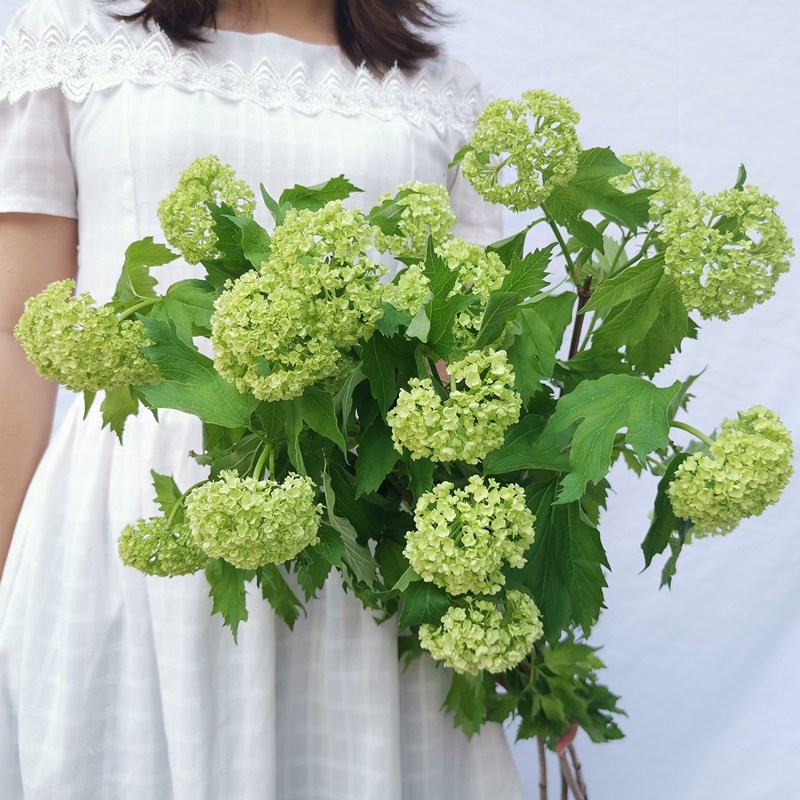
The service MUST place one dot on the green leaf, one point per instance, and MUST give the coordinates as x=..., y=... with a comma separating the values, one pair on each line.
x=312, y=572
x=168, y=494
x=357, y=558
x=393, y=565
x=590, y=189
x=643, y=312
x=315, y=197
x=273, y=206
x=376, y=457
x=118, y=404
x=676, y=544
x=681, y=400
x=423, y=603
x=135, y=283
x=88, y=401
x=420, y=325
x=497, y=313
x=293, y=425
x=459, y=156
x=190, y=382
x=466, y=700
x=528, y=276
x=228, y=593
x=556, y=313
x=271, y=421
x=188, y=305
x=602, y=408
x=564, y=568
x=510, y=247
x=343, y=400
x=741, y=178
x=392, y=320
x=664, y=523
x=253, y=240
x=377, y=364
x=525, y=447
x=279, y=594
x=420, y=473
x=318, y=411
x=532, y=353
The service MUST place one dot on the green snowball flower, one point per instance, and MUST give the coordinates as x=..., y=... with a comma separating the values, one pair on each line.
x=743, y=472
x=652, y=171
x=83, y=347
x=470, y=423
x=483, y=635
x=185, y=220
x=277, y=331
x=150, y=546
x=535, y=137
x=426, y=212
x=249, y=523
x=725, y=252
x=463, y=538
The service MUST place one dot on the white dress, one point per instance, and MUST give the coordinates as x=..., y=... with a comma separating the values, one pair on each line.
x=116, y=686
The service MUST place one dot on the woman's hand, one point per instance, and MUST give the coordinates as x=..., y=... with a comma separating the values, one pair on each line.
x=34, y=250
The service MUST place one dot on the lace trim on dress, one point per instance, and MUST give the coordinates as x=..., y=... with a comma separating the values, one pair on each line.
x=85, y=62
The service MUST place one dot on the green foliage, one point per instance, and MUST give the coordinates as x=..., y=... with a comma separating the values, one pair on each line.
x=188, y=305
x=136, y=283
x=228, y=593
x=601, y=408
x=279, y=594
x=315, y=197
x=190, y=382
x=118, y=404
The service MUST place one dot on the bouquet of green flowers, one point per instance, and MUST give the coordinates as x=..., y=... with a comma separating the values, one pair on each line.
x=434, y=438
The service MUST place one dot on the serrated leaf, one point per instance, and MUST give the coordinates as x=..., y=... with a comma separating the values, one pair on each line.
x=642, y=312
x=682, y=398
x=277, y=592
x=528, y=276
x=315, y=197
x=317, y=409
x=378, y=365
x=525, y=447
x=497, y=313
x=356, y=557
x=741, y=178
x=466, y=700
x=601, y=409
x=118, y=404
x=556, y=312
x=253, y=240
x=393, y=565
x=510, y=247
x=420, y=473
x=188, y=305
x=423, y=603
x=228, y=593
x=167, y=492
x=273, y=206
x=589, y=190
x=89, y=396
x=676, y=544
x=392, y=320
x=343, y=399
x=532, y=353
x=459, y=156
x=564, y=568
x=664, y=523
x=190, y=381
x=136, y=283
x=376, y=457
x=312, y=572
x=293, y=425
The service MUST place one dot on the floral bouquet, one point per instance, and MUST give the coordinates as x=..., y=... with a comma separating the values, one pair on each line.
x=442, y=439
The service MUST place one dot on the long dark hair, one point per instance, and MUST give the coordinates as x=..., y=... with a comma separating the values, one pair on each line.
x=378, y=32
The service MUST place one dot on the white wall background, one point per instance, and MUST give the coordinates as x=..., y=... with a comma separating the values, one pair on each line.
x=706, y=671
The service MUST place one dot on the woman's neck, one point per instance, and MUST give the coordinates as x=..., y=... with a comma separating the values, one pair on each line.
x=309, y=20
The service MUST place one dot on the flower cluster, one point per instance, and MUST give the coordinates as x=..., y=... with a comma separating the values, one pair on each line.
x=481, y=636
x=725, y=252
x=745, y=470
x=536, y=137
x=479, y=271
x=426, y=212
x=470, y=423
x=652, y=171
x=249, y=522
x=463, y=537
x=289, y=325
x=83, y=347
x=184, y=217
x=152, y=547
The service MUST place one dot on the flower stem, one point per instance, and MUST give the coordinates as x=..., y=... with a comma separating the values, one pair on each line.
x=584, y=293
x=566, y=773
x=150, y=301
x=563, y=245
x=542, y=769
x=578, y=770
x=179, y=503
x=262, y=460
x=690, y=429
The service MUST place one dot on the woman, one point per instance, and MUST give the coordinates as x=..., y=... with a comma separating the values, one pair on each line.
x=114, y=685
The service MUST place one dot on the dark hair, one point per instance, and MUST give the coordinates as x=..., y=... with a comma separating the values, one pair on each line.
x=378, y=32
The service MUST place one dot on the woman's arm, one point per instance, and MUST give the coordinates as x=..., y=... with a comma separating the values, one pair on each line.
x=34, y=250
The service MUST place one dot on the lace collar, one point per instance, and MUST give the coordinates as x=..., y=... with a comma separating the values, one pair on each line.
x=88, y=60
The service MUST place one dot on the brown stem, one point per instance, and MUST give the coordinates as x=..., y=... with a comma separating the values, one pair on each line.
x=578, y=771
x=584, y=293
x=542, y=769
x=566, y=773
x=564, y=789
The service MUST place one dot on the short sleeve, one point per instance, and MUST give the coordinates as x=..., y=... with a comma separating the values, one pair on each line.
x=36, y=171
x=479, y=221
